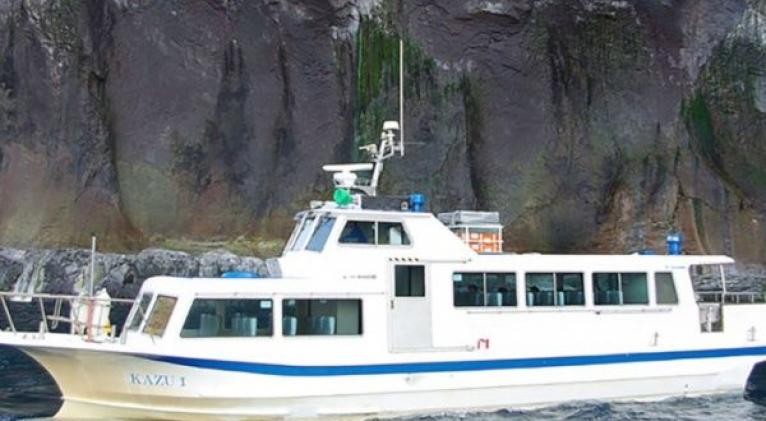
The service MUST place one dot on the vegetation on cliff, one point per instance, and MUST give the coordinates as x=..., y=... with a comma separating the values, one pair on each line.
x=592, y=125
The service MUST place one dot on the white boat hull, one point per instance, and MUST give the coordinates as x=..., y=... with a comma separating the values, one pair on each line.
x=97, y=384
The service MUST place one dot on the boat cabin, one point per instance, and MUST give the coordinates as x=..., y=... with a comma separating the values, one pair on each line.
x=399, y=280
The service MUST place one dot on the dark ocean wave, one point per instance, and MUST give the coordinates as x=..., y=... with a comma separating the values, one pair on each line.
x=26, y=389
x=713, y=407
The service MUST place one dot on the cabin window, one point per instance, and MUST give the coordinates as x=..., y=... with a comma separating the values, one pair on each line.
x=358, y=232
x=569, y=289
x=665, y=287
x=554, y=289
x=468, y=289
x=484, y=289
x=321, y=317
x=501, y=289
x=212, y=318
x=410, y=281
x=321, y=233
x=392, y=233
x=303, y=233
x=540, y=289
x=620, y=288
x=160, y=315
x=140, y=312
x=606, y=289
x=369, y=232
x=634, y=289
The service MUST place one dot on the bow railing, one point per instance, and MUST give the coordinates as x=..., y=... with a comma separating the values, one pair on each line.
x=728, y=297
x=87, y=316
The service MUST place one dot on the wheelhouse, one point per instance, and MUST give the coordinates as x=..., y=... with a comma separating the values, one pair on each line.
x=315, y=230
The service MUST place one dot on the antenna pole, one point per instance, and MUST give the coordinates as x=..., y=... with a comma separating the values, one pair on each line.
x=401, y=95
x=92, y=265
x=91, y=303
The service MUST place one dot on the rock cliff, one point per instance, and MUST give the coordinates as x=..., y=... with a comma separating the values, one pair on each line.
x=67, y=271
x=591, y=125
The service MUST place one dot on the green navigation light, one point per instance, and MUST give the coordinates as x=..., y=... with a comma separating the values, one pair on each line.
x=342, y=197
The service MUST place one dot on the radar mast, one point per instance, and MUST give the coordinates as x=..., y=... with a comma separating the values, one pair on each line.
x=344, y=175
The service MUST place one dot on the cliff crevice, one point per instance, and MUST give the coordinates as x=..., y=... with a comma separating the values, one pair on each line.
x=591, y=125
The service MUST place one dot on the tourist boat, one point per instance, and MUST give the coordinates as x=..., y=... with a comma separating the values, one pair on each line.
x=377, y=307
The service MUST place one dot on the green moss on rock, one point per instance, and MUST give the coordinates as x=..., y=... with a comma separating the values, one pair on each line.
x=377, y=77
x=724, y=119
x=700, y=122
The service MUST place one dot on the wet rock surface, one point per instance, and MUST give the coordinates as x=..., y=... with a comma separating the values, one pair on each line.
x=67, y=272
x=591, y=125
x=739, y=279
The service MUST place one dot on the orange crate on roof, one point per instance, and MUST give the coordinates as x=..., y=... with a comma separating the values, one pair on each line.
x=490, y=237
x=481, y=231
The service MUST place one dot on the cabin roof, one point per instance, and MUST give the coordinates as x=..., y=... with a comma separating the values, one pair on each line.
x=244, y=286
x=613, y=258
x=371, y=284
x=595, y=262
x=370, y=213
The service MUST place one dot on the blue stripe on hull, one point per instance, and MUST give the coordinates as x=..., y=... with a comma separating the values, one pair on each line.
x=455, y=366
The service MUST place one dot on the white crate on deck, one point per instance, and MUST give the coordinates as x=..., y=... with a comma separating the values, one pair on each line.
x=463, y=217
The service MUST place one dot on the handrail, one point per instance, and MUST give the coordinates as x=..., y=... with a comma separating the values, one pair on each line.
x=25, y=295
x=8, y=314
x=728, y=297
x=48, y=322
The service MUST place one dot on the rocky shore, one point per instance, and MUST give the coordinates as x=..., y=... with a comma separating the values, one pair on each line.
x=66, y=271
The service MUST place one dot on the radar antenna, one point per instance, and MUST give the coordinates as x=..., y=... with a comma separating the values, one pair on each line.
x=344, y=175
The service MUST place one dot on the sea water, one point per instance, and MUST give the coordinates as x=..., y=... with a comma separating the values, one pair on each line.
x=27, y=391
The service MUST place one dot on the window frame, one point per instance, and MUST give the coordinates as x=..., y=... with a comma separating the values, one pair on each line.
x=149, y=317
x=299, y=218
x=646, y=288
x=672, y=283
x=317, y=227
x=425, y=283
x=222, y=297
x=282, y=302
x=620, y=289
x=309, y=222
x=484, y=291
x=138, y=312
x=404, y=231
x=376, y=230
x=353, y=244
x=555, y=279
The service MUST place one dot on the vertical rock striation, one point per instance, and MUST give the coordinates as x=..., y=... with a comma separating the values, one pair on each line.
x=592, y=125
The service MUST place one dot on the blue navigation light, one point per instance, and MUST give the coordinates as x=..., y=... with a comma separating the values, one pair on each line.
x=675, y=243
x=417, y=202
x=241, y=275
